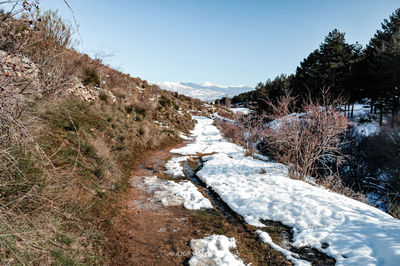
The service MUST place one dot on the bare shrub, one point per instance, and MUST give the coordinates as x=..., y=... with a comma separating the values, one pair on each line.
x=307, y=142
x=230, y=131
x=54, y=29
x=251, y=127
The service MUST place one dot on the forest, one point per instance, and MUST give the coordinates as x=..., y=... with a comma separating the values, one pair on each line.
x=368, y=74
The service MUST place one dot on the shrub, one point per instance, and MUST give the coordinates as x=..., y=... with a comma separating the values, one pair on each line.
x=374, y=166
x=103, y=97
x=91, y=77
x=307, y=142
x=164, y=101
x=55, y=30
x=230, y=131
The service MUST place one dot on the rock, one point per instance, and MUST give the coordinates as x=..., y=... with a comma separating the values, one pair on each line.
x=83, y=92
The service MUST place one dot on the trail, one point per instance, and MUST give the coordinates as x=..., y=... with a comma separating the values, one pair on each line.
x=271, y=218
x=148, y=233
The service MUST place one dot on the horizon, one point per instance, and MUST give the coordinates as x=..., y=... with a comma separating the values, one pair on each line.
x=222, y=43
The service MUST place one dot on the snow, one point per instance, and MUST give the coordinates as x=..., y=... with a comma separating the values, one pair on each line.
x=170, y=193
x=361, y=114
x=214, y=250
x=241, y=110
x=205, y=92
x=367, y=129
x=356, y=233
x=183, y=136
x=208, y=140
x=264, y=236
x=174, y=167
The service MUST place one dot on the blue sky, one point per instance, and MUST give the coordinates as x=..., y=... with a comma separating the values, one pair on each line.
x=225, y=42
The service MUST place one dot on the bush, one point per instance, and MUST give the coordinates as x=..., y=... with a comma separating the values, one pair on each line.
x=55, y=30
x=230, y=131
x=91, y=77
x=103, y=97
x=164, y=101
x=374, y=166
x=308, y=142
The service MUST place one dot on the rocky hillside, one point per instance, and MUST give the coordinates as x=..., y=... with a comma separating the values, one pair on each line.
x=72, y=129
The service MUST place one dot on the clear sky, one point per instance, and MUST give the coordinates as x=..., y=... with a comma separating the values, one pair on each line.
x=226, y=42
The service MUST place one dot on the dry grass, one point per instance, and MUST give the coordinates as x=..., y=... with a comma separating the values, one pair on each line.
x=64, y=161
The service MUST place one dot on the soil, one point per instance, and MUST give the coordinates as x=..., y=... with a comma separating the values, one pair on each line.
x=147, y=233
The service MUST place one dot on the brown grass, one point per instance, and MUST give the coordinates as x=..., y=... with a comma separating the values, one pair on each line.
x=64, y=162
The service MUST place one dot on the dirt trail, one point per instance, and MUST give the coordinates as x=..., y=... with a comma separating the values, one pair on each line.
x=149, y=233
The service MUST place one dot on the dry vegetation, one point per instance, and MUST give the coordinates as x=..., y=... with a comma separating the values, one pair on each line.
x=309, y=141
x=64, y=161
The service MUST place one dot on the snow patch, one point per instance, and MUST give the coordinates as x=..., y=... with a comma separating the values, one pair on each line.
x=214, y=250
x=174, y=167
x=293, y=257
x=170, y=193
x=208, y=140
x=241, y=110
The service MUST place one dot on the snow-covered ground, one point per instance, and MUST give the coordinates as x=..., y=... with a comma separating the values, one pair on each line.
x=170, y=193
x=241, y=110
x=354, y=233
x=365, y=123
x=214, y=250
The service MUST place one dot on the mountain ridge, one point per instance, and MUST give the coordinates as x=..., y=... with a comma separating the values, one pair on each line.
x=206, y=92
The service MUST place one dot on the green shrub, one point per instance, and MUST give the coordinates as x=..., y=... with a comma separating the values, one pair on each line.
x=91, y=77
x=103, y=97
x=164, y=101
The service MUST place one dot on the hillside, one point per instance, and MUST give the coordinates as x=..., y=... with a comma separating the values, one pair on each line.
x=72, y=131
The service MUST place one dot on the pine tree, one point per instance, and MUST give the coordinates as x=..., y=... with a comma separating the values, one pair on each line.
x=383, y=65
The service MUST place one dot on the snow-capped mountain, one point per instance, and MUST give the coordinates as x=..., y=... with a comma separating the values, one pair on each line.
x=205, y=92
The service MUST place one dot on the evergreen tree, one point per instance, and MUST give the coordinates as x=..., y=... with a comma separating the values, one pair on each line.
x=382, y=58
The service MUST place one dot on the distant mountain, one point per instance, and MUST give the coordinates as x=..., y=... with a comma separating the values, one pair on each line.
x=205, y=92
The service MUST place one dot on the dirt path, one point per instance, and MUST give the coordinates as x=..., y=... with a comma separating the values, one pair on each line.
x=147, y=233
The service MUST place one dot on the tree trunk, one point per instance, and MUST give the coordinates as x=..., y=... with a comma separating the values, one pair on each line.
x=381, y=116
x=372, y=106
x=352, y=110
x=348, y=110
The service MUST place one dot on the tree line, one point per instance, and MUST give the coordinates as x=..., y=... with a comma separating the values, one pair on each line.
x=358, y=74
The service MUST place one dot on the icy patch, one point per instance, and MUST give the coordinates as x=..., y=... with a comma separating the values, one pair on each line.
x=174, y=167
x=214, y=250
x=184, y=193
x=356, y=233
x=293, y=257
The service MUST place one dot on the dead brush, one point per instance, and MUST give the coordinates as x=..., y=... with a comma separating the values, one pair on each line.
x=309, y=142
x=230, y=131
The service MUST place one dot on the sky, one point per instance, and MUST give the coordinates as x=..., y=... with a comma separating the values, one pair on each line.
x=225, y=42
